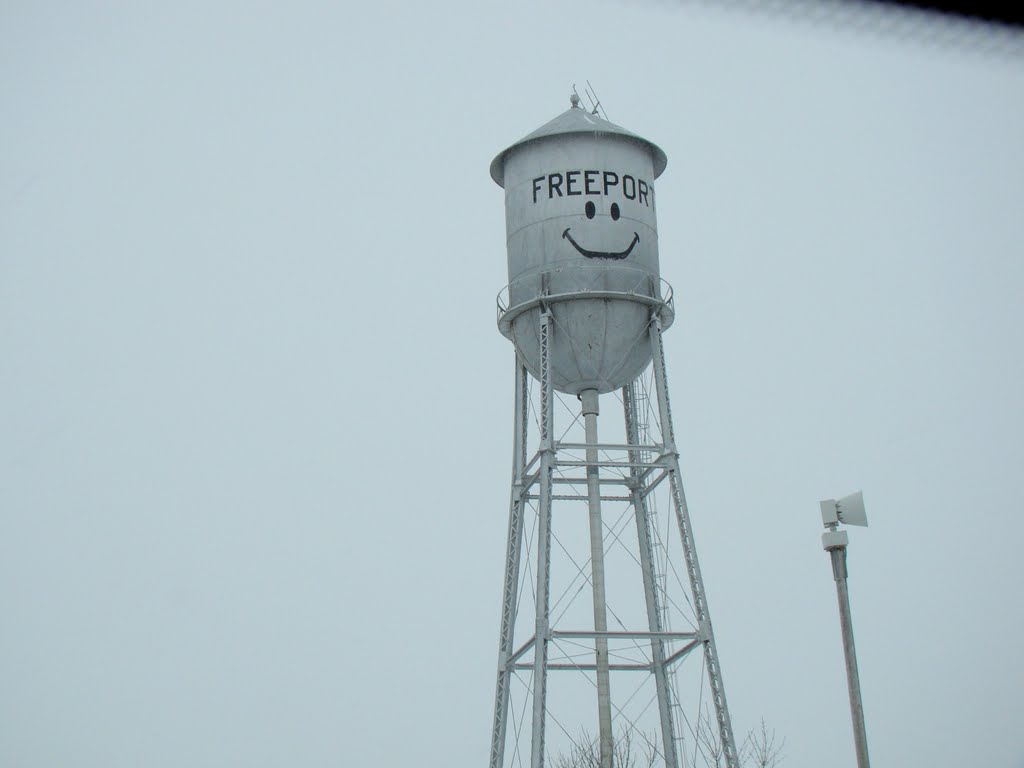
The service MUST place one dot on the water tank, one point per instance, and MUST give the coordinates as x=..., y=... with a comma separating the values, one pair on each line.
x=583, y=242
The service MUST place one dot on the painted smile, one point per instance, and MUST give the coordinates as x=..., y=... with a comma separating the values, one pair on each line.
x=601, y=254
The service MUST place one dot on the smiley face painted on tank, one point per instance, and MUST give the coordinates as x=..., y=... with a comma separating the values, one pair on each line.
x=629, y=191
x=590, y=210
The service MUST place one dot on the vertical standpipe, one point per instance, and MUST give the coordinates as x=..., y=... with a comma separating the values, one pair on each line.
x=589, y=400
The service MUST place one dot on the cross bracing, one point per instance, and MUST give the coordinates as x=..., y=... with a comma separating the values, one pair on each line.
x=650, y=651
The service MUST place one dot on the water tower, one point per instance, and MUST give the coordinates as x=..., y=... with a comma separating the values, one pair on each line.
x=583, y=681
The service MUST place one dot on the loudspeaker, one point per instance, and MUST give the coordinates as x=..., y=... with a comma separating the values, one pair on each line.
x=850, y=509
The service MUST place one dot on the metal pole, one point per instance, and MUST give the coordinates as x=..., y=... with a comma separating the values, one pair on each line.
x=654, y=623
x=860, y=736
x=543, y=632
x=671, y=457
x=604, y=701
x=510, y=594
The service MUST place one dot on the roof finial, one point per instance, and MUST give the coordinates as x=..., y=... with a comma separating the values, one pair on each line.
x=575, y=98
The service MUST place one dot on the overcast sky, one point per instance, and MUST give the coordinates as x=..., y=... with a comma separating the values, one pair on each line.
x=255, y=414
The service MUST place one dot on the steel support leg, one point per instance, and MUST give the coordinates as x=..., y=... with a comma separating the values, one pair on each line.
x=589, y=399
x=510, y=593
x=654, y=622
x=543, y=631
x=689, y=552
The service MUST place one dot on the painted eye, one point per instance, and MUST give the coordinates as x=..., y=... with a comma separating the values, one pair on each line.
x=615, y=211
x=591, y=210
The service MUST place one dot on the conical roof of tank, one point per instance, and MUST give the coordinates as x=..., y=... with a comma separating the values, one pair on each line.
x=577, y=120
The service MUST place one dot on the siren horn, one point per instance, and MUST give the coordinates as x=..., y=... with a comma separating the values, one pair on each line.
x=848, y=510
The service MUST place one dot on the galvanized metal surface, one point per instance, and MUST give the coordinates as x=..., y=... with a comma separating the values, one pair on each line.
x=642, y=462
x=646, y=552
x=582, y=238
x=509, y=602
x=585, y=308
x=728, y=741
x=590, y=410
x=542, y=631
x=860, y=734
x=574, y=121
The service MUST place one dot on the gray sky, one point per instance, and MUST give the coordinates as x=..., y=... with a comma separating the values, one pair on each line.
x=256, y=415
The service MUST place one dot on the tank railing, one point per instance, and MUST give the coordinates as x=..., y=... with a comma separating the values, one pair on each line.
x=583, y=281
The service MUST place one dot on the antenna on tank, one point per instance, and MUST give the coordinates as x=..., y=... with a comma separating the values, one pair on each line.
x=595, y=102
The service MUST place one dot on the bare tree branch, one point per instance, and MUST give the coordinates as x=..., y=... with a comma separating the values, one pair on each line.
x=585, y=753
x=762, y=749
